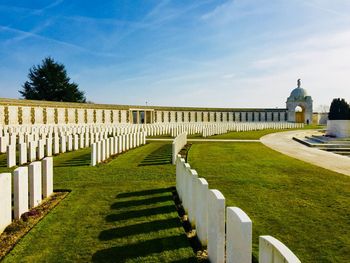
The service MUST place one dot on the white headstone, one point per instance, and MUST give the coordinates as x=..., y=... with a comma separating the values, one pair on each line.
x=202, y=210
x=47, y=174
x=20, y=191
x=35, y=184
x=5, y=201
x=216, y=226
x=238, y=236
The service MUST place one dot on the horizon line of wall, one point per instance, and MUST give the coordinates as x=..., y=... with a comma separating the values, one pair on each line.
x=27, y=112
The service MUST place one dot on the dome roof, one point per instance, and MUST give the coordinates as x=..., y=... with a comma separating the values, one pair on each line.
x=298, y=93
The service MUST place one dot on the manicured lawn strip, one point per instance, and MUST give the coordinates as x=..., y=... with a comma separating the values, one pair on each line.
x=254, y=135
x=304, y=206
x=116, y=212
x=19, y=228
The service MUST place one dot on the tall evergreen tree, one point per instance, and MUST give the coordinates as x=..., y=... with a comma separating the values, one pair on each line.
x=49, y=81
x=339, y=110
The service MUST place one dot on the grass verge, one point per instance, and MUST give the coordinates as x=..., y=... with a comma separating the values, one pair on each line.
x=19, y=228
x=119, y=211
x=304, y=206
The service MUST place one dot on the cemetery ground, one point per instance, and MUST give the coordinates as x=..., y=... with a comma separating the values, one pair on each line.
x=123, y=210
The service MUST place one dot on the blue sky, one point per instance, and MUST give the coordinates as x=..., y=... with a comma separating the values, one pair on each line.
x=223, y=53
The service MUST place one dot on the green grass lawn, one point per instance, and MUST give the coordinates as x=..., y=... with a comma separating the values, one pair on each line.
x=304, y=206
x=246, y=135
x=121, y=211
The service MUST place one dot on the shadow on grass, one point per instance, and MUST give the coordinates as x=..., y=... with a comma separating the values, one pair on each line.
x=160, y=156
x=151, y=200
x=141, y=249
x=145, y=192
x=141, y=228
x=156, y=217
x=3, y=160
x=165, y=209
x=81, y=160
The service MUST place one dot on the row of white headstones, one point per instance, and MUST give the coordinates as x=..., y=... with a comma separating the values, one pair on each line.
x=36, y=144
x=206, y=212
x=106, y=148
x=28, y=185
x=178, y=143
x=37, y=141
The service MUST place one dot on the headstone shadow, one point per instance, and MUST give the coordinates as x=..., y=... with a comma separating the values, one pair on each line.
x=160, y=156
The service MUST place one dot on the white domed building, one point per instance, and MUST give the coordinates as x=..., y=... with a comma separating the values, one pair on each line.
x=299, y=106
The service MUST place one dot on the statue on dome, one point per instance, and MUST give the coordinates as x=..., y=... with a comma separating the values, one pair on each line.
x=299, y=83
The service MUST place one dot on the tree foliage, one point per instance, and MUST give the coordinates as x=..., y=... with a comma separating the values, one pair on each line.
x=339, y=110
x=49, y=81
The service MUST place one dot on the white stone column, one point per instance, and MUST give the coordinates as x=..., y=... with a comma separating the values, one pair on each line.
x=20, y=191
x=216, y=227
x=5, y=201
x=47, y=174
x=238, y=236
x=35, y=184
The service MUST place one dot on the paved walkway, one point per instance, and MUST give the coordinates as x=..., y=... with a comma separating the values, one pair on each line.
x=283, y=142
x=206, y=140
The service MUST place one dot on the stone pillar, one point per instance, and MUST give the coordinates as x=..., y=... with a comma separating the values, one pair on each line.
x=216, y=230
x=238, y=236
x=20, y=191
x=35, y=185
x=5, y=201
x=47, y=173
